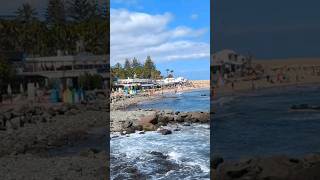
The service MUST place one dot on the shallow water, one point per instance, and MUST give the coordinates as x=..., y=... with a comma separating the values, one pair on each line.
x=187, y=101
x=262, y=124
x=187, y=154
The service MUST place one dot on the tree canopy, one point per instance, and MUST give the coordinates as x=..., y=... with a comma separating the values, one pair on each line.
x=133, y=68
x=66, y=23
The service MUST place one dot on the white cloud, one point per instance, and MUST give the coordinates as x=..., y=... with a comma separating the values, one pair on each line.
x=194, y=16
x=128, y=2
x=135, y=34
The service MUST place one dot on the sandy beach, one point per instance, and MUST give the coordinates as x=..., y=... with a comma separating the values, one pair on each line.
x=274, y=73
x=119, y=101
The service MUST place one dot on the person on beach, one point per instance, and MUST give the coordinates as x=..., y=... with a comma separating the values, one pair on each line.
x=213, y=91
x=268, y=78
x=253, y=85
x=9, y=91
x=1, y=96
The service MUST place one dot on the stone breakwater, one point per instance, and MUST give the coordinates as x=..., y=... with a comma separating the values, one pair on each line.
x=27, y=166
x=128, y=122
x=122, y=102
x=276, y=167
x=29, y=132
x=36, y=128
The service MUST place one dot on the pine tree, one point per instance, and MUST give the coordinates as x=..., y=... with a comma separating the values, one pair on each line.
x=127, y=64
x=149, y=68
x=56, y=12
x=80, y=10
x=135, y=63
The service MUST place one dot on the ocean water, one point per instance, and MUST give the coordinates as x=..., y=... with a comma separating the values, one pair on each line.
x=187, y=155
x=184, y=154
x=261, y=123
x=187, y=101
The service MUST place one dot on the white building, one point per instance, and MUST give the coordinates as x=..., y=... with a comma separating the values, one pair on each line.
x=227, y=61
x=63, y=66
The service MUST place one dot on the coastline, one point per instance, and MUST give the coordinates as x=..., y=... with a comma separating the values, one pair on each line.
x=125, y=102
x=150, y=131
x=121, y=114
x=246, y=89
x=281, y=166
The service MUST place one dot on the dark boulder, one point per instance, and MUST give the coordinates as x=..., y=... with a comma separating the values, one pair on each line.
x=165, y=131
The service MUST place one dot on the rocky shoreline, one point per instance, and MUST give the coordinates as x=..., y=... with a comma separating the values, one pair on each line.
x=127, y=122
x=273, y=168
x=28, y=132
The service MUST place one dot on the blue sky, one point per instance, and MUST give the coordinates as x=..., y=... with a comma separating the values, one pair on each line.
x=268, y=29
x=175, y=33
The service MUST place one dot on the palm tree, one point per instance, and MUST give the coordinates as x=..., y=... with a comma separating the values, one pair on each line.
x=167, y=72
x=171, y=72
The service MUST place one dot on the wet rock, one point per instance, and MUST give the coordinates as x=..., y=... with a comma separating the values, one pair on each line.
x=165, y=119
x=127, y=124
x=130, y=130
x=163, y=165
x=149, y=127
x=159, y=154
x=168, y=112
x=200, y=117
x=183, y=115
x=186, y=124
x=138, y=128
x=165, y=131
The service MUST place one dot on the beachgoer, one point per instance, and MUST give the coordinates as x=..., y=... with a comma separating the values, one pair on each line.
x=9, y=91
x=268, y=78
x=252, y=84
x=213, y=91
